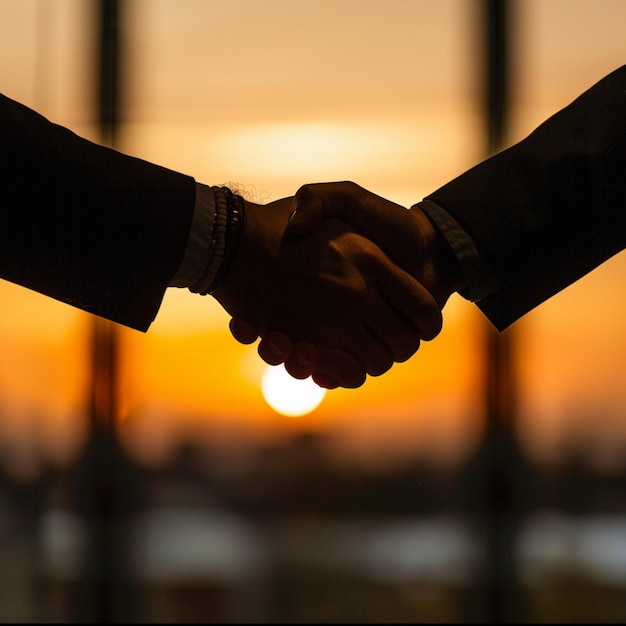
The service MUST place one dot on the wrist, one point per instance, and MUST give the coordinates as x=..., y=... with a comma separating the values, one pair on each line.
x=442, y=273
x=225, y=236
x=449, y=269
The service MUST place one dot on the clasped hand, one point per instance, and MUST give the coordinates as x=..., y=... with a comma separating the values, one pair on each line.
x=320, y=292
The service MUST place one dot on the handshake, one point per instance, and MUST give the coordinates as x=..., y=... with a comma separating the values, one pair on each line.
x=337, y=282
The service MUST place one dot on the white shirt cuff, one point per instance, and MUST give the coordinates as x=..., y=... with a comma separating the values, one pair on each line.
x=200, y=235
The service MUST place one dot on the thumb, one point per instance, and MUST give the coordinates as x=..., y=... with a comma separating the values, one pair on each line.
x=307, y=213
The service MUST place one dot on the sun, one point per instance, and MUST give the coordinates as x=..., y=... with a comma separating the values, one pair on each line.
x=290, y=396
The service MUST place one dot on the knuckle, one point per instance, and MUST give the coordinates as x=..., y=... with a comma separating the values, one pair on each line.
x=379, y=367
x=407, y=351
x=354, y=380
x=305, y=192
x=348, y=186
x=434, y=326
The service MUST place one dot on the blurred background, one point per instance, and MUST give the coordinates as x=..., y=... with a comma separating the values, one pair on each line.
x=172, y=476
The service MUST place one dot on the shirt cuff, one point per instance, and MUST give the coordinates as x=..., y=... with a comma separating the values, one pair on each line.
x=480, y=279
x=198, y=243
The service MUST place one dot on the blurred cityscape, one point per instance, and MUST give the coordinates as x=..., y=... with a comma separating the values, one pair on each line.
x=288, y=536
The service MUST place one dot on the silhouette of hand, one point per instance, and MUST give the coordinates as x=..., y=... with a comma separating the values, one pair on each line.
x=332, y=293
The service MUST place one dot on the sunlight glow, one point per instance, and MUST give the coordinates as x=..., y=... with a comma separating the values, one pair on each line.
x=290, y=396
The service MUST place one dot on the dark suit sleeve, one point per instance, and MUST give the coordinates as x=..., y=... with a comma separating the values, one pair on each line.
x=87, y=225
x=551, y=208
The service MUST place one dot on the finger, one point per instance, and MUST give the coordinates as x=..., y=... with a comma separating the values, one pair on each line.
x=361, y=346
x=338, y=368
x=303, y=361
x=384, y=222
x=243, y=330
x=390, y=328
x=308, y=211
x=324, y=380
x=275, y=348
x=314, y=202
x=401, y=338
x=411, y=300
x=380, y=365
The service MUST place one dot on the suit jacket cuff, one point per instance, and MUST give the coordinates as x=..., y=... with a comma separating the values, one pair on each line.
x=481, y=280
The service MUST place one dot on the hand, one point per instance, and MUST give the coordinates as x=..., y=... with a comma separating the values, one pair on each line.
x=406, y=235
x=333, y=291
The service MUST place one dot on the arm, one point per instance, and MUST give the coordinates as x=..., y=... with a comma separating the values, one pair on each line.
x=85, y=224
x=538, y=216
x=551, y=208
x=108, y=233
x=532, y=219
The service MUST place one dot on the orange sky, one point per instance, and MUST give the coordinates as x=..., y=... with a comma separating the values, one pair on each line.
x=383, y=94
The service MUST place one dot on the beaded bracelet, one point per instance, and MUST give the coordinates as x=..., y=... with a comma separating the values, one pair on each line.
x=234, y=204
x=227, y=228
x=215, y=246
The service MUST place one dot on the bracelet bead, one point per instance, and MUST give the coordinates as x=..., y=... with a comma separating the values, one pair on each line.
x=227, y=229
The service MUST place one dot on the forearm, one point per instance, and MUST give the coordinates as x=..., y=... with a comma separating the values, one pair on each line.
x=85, y=224
x=551, y=208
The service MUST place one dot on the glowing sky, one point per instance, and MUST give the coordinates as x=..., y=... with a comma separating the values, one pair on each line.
x=276, y=93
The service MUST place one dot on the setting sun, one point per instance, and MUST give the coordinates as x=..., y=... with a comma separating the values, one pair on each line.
x=289, y=396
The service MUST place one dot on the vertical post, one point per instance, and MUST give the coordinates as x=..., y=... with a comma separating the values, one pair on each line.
x=109, y=70
x=107, y=492
x=105, y=336
x=503, y=599
x=496, y=60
